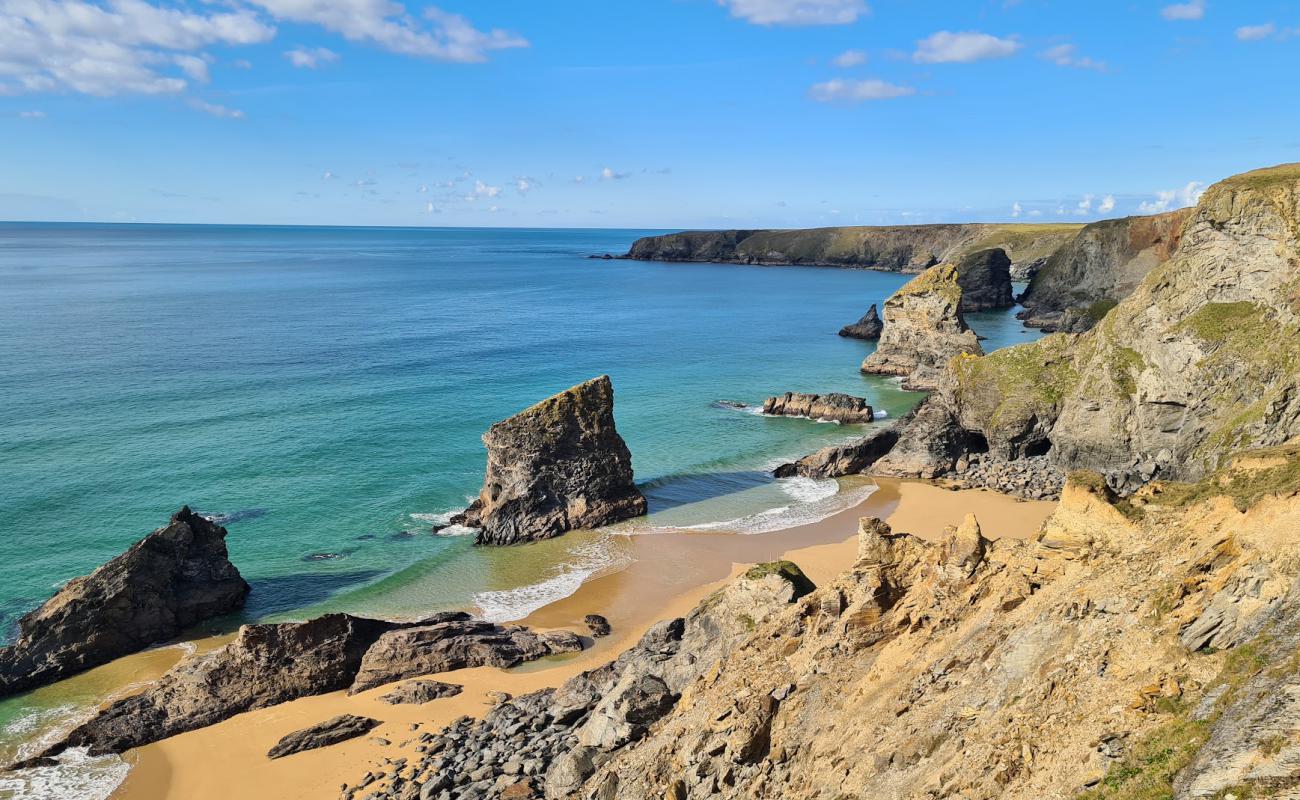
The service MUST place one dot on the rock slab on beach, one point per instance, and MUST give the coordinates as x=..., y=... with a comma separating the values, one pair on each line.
x=869, y=327
x=324, y=734
x=835, y=407
x=419, y=692
x=170, y=580
x=555, y=467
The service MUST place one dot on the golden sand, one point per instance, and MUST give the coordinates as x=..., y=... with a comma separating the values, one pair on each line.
x=671, y=573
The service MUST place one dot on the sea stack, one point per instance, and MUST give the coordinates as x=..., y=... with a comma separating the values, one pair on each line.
x=555, y=467
x=985, y=280
x=924, y=329
x=174, y=578
x=868, y=327
x=834, y=407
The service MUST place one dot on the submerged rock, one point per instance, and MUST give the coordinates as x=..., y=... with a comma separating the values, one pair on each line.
x=554, y=467
x=834, y=406
x=869, y=327
x=170, y=580
x=339, y=729
x=924, y=330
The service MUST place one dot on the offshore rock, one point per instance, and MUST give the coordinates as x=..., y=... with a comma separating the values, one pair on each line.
x=869, y=327
x=924, y=330
x=985, y=280
x=554, y=467
x=324, y=734
x=839, y=460
x=835, y=407
x=170, y=580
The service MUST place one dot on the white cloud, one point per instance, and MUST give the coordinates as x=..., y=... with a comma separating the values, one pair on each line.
x=525, y=184
x=32, y=114
x=840, y=90
x=1191, y=10
x=1035, y=213
x=579, y=178
x=311, y=57
x=216, y=110
x=447, y=37
x=328, y=176
x=122, y=47
x=1106, y=205
x=241, y=63
x=1085, y=205
x=797, y=12
x=1016, y=210
x=608, y=174
x=1253, y=33
x=849, y=58
x=1067, y=55
x=946, y=47
x=481, y=189
x=1167, y=199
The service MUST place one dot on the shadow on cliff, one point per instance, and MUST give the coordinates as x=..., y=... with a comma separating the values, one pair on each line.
x=682, y=489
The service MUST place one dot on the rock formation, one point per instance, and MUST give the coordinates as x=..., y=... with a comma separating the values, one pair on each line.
x=898, y=248
x=170, y=580
x=324, y=734
x=554, y=467
x=924, y=329
x=985, y=280
x=419, y=692
x=869, y=327
x=834, y=407
x=838, y=460
x=597, y=625
x=1098, y=268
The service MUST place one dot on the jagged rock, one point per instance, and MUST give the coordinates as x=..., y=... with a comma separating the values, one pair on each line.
x=1098, y=268
x=985, y=280
x=869, y=327
x=598, y=625
x=418, y=692
x=839, y=460
x=454, y=644
x=554, y=467
x=170, y=580
x=924, y=330
x=834, y=406
x=324, y=734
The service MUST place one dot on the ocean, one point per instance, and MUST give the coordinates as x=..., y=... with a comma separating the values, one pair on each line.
x=322, y=391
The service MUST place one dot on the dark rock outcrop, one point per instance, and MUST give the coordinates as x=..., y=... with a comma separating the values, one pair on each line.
x=554, y=467
x=869, y=327
x=839, y=460
x=324, y=734
x=170, y=580
x=924, y=330
x=835, y=407
x=985, y=280
x=598, y=625
x=455, y=644
x=419, y=692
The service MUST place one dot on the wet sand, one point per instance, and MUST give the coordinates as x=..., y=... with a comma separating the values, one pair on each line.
x=672, y=572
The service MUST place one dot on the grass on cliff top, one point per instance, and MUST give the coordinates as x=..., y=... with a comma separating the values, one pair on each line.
x=1263, y=178
x=940, y=279
x=784, y=569
x=1025, y=377
x=1250, y=477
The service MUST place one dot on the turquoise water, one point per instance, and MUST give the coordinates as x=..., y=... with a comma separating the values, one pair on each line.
x=325, y=390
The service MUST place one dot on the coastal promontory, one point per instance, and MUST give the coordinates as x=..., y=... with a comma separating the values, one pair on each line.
x=557, y=466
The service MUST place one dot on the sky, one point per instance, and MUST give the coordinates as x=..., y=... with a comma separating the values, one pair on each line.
x=636, y=113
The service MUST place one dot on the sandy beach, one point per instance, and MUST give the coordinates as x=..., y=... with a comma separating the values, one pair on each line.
x=671, y=573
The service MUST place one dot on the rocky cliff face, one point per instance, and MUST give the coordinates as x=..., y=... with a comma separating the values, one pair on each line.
x=835, y=407
x=899, y=248
x=924, y=329
x=869, y=327
x=172, y=579
x=985, y=280
x=1101, y=266
x=554, y=467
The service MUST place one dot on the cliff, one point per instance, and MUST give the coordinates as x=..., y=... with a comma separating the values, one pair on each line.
x=170, y=580
x=1102, y=265
x=923, y=330
x=985, y=280
x=554, y=467
x=897, y=248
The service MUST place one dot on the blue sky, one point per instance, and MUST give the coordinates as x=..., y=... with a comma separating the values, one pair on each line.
x=636, y=113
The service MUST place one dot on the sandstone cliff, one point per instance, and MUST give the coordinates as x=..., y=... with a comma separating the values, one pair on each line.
x=924, y=329
x=1102, y=265
x=554, y=467
x=170, y=580
x=898, y=248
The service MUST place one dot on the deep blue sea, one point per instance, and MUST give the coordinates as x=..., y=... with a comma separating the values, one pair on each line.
x=324, y=390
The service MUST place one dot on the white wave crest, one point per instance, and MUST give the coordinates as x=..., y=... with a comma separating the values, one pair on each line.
x=506, y=605
x=809, y=490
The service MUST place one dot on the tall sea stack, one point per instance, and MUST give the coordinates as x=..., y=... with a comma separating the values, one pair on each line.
x=554, y=467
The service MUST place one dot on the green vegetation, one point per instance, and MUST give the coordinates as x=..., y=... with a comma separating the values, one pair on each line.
x=1095, y=311
x=1249, y=478
x=1216, y=322
x=940, y=279
x=785, y=569
x=1013, y=383
x=1265, y=178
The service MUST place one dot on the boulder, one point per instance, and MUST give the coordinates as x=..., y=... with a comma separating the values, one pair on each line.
x=419, y=692
x=324, y=734
x=985, y=280
x=170, y=580
x=835, y=407
x=598, y=625
x=554, y=467
x=869, y=327
x=924, y=330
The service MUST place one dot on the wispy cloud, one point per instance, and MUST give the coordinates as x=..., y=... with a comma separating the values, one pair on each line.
x=31, y=114
x=1168, y=199
x=1189, y=11
x=482, y=189
x=849, y=58
x=947, y=47
x=841, y=90
x=1067, y=55
x=797, y=12
x=311, y=57
x=608, y=174
x=1106, y=205
x=524, y=184
x=215, y=109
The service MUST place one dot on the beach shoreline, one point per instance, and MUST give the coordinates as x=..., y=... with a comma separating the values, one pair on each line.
x=670, y=574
